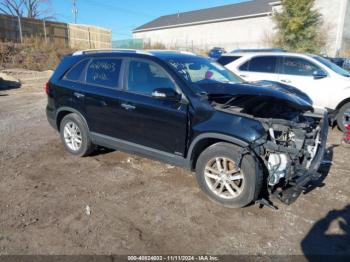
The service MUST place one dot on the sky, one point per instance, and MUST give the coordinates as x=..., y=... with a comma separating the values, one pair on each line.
x=121, y=16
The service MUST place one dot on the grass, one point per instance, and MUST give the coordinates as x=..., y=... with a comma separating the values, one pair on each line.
x=32, y=54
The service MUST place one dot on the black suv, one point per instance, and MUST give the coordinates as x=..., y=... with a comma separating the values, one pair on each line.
x=245, y=141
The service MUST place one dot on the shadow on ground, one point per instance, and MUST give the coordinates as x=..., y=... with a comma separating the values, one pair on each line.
x=324, y=170
x=329, y=236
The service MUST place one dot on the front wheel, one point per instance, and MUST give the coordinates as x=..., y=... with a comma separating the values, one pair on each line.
x=343, y=117
x=219, y=176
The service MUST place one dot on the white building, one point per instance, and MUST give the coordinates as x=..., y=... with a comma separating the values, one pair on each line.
x=243, y=25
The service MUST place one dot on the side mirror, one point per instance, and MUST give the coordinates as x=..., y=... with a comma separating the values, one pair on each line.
x=166, y=94
x=319, y=74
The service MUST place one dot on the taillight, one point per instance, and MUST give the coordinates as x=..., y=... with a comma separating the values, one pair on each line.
x=47, y=88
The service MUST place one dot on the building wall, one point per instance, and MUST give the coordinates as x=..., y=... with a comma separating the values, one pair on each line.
x=333, y=15
x=244, y=33
x=87, y=37
x=346, y=34
x=252, y=32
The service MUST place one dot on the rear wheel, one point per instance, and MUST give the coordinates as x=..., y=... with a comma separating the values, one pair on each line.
x=219, y=176
x=343, y=117
x=75, y=135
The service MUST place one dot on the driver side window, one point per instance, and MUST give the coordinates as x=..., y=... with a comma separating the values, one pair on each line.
x=144, y=77
x=298, y=67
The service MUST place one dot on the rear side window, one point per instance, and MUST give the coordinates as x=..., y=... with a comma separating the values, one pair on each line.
x=261, y=64
x=298, y=66
x=75, y=74
x=225, y=60
x=104, y=72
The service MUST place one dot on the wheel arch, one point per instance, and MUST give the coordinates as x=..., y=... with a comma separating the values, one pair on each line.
x=203, y=141
x=345, y=101
x=63, y=111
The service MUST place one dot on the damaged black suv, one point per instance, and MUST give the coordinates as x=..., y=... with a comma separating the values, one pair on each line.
x=245, y=141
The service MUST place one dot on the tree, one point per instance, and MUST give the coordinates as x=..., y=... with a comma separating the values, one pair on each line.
x=299, y=27
x=27, y=8
x=12, y=7
x=37, y=8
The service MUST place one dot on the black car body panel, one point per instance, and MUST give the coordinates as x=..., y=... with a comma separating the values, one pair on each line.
x=245, y=114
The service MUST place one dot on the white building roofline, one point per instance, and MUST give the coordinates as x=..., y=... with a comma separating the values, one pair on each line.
x=203, y=22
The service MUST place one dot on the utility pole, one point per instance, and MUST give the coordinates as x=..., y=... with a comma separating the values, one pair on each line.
x=75, y=11
x=20, y=28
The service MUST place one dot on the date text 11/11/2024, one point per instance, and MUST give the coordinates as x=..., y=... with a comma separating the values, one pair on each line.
x=173, y=258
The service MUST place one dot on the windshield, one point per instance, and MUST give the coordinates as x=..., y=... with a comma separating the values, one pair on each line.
x=199, y=70
x=332, y=66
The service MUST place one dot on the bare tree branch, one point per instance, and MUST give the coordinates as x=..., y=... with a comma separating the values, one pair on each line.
x=12, y=7
x=38, y=8
x=31, y=8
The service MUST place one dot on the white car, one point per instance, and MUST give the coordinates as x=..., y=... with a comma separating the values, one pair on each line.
x=325, y=83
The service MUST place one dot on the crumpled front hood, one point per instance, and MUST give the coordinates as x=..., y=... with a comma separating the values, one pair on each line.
x=271, y=90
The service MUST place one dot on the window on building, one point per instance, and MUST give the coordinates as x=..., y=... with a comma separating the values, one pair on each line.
x=145, y=77
x=104, y=72
x=298, y=66
x=75, y=74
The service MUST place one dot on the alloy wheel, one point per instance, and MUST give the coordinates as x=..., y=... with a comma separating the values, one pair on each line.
x=224, y=177
x=72, y=136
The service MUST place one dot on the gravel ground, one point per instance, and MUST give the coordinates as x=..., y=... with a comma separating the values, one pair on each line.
x=142, y=206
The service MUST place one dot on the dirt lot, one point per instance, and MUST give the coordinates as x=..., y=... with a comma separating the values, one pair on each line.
x=142, y=206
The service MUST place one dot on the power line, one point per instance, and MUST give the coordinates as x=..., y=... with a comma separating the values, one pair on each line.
x=114, y=8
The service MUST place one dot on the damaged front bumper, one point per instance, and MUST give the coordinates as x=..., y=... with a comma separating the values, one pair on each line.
x=304, y=176
x=288, y=179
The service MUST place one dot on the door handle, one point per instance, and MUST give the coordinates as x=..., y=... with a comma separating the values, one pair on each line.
x=128, y=107
x=243, y=75
x=78, y=95
x=286, y=81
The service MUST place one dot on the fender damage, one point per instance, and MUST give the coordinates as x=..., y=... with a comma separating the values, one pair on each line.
x=294, y=142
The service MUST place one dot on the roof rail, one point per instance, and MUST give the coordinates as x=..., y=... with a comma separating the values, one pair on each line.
x=107, y=50
x=257, y=50
x=171, y=50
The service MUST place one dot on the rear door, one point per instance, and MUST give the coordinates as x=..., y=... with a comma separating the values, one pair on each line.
x=103, y=84
x=259, y=68
x=154, y=123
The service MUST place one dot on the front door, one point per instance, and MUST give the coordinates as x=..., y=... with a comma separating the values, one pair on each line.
x=153, y=123
x=298, y=72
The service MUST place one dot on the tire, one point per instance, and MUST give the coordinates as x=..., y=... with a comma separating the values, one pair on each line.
x=345, y=109
x=85, y=147
x=247, y=189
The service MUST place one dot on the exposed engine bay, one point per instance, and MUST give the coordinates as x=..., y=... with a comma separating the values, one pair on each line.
x=292, y=142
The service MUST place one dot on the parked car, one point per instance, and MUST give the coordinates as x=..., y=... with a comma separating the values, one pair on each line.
x=189, y=111
x=337, y=60
x=346, y=64
x=341, y=62
x=216, y=52
x=325, y=83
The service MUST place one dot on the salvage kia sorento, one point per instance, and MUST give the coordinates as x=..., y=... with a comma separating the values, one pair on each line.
x=245, y=141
